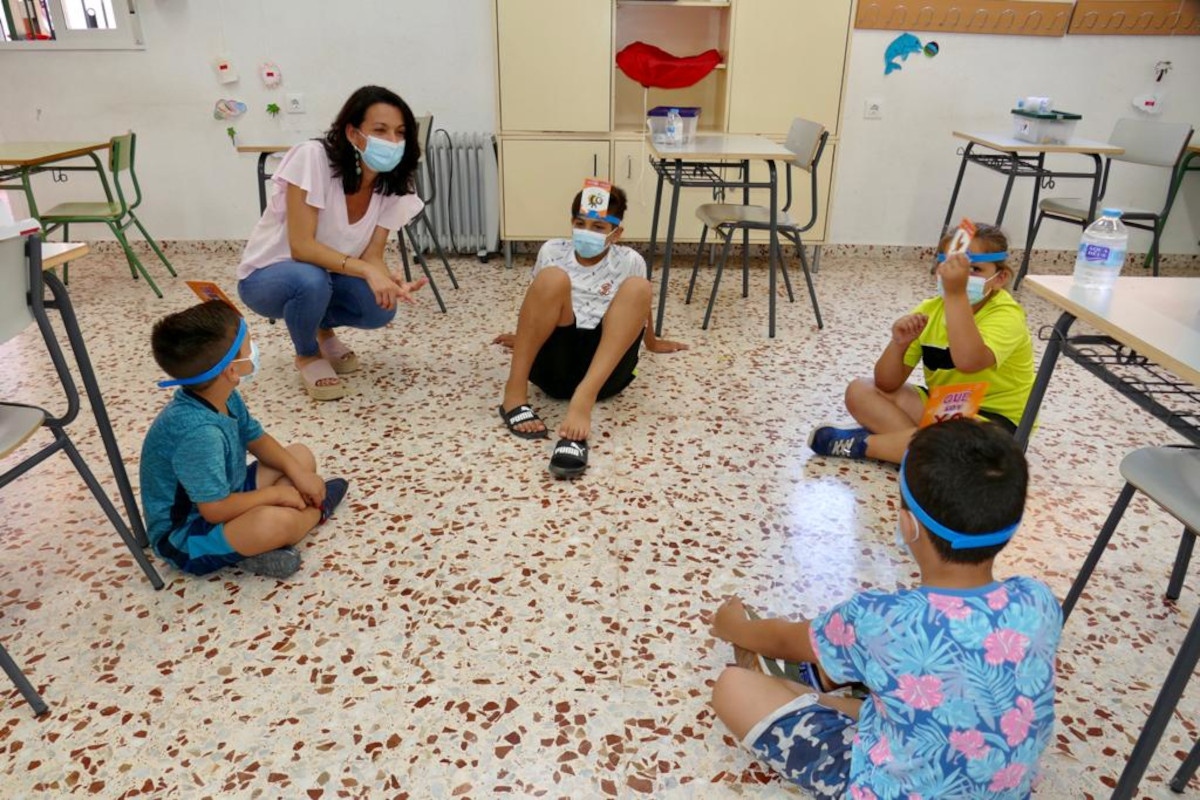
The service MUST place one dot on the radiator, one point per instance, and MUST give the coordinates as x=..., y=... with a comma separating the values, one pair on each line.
x=465, y=211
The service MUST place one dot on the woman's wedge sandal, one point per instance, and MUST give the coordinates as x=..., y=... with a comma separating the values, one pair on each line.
x=320, y=370
x=569, y=459
x=519, y=415
x=340, y=357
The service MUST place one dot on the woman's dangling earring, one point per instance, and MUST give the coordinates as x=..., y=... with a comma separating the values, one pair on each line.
x=357, y=163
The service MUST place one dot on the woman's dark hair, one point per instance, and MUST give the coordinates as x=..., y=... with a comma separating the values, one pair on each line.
x=344, y=157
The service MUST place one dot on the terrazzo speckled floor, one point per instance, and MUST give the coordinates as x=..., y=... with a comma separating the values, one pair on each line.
x=469, y=626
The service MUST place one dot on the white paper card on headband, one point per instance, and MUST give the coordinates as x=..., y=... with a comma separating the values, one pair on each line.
x=594, y=199
x=962, y=238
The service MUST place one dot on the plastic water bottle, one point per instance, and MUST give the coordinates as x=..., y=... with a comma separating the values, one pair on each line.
x=1102, y=251
x=674, y=127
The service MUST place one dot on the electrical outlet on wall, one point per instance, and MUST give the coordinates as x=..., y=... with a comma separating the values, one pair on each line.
x=294, y=103
x=873, y=108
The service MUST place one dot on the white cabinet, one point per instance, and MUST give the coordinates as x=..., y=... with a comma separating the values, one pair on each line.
x=540, y=177
x=555, y=62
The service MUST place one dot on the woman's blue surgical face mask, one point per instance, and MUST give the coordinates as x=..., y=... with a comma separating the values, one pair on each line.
x=589, y=244
x=380, y=154
x=976, y=288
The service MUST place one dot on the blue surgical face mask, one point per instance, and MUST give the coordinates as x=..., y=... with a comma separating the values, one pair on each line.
x=253, y=359
x=589, y=244
x=976, y=288
x=901, y=542
x=382, y=155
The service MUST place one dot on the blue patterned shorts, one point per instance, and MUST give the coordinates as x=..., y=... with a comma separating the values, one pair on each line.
x=807, y=743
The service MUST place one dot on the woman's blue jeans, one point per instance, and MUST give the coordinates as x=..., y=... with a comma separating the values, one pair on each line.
x=307, y=297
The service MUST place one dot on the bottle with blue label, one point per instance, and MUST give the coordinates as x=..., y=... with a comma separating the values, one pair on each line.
x=1102, y=251
x=674, y=127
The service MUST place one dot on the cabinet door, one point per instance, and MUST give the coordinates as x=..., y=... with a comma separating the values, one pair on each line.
x=556, y=64
x=639, y=184
x=787, y=61
x=541, y=176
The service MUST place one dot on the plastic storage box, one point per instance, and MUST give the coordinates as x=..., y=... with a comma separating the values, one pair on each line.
x=657, y=118
x=1050, y=127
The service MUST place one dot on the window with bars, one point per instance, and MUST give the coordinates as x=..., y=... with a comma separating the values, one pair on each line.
x=69, y=25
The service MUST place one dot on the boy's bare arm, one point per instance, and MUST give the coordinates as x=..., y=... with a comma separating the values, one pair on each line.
x=656, y=345
x=238, y=503
x=971, y=353
x=774, y=638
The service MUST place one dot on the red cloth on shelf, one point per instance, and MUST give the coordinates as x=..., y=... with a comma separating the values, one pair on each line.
x=654, y=67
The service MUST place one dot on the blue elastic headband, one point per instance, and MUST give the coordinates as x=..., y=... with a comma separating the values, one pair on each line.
x=216, y=369
x=979, y=258
x=594, y=215
x=958, y=541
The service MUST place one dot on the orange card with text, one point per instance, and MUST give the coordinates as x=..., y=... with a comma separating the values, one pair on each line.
x=952, y=402
x=207, y=290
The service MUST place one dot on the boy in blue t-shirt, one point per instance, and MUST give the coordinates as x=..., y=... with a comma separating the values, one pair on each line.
x=960, y=670
x=205, y=507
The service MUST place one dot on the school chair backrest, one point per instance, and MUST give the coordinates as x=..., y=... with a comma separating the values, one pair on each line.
x=121, y=152
x=805, y=138
x=15, y=315
x=1155, y=144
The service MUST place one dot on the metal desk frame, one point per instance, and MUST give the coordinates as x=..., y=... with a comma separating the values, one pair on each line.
x=683, y=173
x=1029, y=165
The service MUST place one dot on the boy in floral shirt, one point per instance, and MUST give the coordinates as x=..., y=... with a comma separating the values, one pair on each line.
x=960, y=670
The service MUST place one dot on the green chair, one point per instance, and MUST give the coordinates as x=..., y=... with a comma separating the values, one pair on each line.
x=116, y=214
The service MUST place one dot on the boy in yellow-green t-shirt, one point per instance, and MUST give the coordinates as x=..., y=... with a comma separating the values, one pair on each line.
x=972, y=332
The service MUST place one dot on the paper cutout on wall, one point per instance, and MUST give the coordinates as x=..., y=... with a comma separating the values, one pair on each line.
x=271, y=76
x=228, y=109
x=931, y=49
x=225, y=71
x=901, y=47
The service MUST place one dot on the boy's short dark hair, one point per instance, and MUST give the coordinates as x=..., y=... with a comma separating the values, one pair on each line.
x=970, y=476
x=189, y=342
x=617, y=203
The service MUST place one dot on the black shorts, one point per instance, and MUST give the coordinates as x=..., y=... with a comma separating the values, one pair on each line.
x=565, y=357
x=1004, y=422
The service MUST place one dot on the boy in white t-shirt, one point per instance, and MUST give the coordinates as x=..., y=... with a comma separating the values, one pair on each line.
x=583, y=317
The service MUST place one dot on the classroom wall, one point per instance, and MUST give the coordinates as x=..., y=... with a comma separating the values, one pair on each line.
x=894, y=175
x=438, y=55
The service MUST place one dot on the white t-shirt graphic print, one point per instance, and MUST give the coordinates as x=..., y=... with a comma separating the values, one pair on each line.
x=592, y=288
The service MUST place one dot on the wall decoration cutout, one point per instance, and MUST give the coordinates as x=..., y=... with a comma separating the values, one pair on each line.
x=271, y=76
x=226, y=74
x=228, y=109
x=900, y=49
x=931, y=49
x=273, y=109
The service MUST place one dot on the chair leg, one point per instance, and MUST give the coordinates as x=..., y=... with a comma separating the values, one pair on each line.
x=712, y=298
x=1161, y=713
x=67, y=266
x=428, y=275
x=22, y=683
x=1154, y=246
x=787, y=281
x=812, y=290
x=1182, y=558
x=1037, y=226
x=1093, y=557
x=135, y=263
x=438, y=247
x=111, y=512
x=1186, y=770
x=696, y=265
x=153, y=244
x=404, y=257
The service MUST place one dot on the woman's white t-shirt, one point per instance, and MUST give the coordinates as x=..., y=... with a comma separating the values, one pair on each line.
x=307, y=167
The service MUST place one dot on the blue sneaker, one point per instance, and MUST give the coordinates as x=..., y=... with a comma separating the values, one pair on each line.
x=827, y=440
x=335, y=490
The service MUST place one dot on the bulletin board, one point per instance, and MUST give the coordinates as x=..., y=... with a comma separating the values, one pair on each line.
x=1034, y=17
